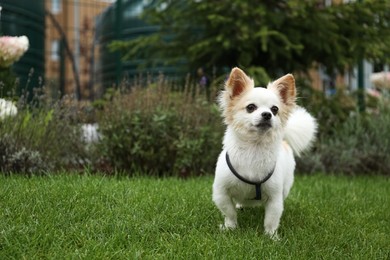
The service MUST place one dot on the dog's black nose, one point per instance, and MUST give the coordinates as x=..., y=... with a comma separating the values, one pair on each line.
x=266, y=115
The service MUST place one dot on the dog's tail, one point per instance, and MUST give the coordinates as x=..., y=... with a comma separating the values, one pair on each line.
x=301, y=129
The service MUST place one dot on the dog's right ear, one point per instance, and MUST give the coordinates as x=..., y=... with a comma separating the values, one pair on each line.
x=238, y=82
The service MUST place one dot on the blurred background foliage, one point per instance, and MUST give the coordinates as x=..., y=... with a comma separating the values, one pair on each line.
x=266, y=37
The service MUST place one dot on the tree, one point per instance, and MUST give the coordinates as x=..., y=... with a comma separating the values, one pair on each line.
x=268, y=36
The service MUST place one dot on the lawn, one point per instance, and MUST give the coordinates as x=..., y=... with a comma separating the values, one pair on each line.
x=95, y=217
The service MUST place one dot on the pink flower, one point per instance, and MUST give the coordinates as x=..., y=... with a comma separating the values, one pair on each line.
x=11, y=49
x=381, y=79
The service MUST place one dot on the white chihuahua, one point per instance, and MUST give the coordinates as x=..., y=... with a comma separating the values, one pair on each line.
x=264, y=127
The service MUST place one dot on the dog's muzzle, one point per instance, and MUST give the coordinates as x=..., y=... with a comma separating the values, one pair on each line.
x=265, y=121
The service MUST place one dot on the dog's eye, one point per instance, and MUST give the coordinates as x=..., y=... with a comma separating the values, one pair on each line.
x=274, y=110
x=250, y=108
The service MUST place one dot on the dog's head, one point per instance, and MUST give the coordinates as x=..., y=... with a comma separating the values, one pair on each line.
x=252, y=111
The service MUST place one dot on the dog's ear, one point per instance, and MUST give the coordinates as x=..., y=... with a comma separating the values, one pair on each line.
x=285, y=88
x=238, y=82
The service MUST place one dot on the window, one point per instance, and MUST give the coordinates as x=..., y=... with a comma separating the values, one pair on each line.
x=55, y=50
x=55, y=6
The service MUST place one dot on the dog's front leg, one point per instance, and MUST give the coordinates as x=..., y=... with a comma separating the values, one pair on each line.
x=273, y=213
x=226, y=206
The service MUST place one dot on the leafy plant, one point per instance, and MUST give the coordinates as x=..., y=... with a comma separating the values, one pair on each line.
x=41, y=138
x=361, y=145
x=8, y=82
x=160, y=131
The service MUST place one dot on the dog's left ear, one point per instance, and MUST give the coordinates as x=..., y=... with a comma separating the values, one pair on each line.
x=285, y=88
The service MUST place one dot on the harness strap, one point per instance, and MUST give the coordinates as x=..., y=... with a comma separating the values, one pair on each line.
x=257, y=184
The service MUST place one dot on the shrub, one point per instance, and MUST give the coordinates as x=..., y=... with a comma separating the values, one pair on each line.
x=8, y=82
x=161, y=130
x=41, y=138
x=348, y=141
x=361, y=145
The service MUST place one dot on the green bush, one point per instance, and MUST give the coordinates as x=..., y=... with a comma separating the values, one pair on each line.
x=41, y=138
x=8, y=82
x=361, y=145
x=161, y=131
x=348, y=142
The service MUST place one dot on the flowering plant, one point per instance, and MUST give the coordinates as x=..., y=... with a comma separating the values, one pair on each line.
x=7, y=108
x=11, y=49
x=381, y=79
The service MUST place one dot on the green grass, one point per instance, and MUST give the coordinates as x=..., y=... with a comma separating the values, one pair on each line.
x=94, y=217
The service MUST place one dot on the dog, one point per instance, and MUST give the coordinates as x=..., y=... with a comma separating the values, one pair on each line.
x=264, y=129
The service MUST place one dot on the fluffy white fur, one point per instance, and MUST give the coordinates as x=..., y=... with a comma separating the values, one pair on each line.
x=256, y=146
x=300, y=129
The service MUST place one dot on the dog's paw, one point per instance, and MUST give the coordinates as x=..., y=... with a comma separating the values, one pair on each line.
x=239, y=206
x=222, y=227
x=273, y=235
x=225, y=227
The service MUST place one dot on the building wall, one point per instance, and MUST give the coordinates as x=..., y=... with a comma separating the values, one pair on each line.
x=77, y=20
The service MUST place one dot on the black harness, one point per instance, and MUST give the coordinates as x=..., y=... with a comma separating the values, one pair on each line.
x=257, y=184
